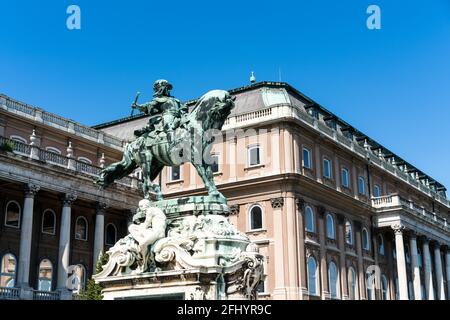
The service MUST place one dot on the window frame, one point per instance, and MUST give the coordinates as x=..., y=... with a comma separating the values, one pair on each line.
x=348, y=222
x=6, y=215
x=53, y=150
x=384, y=287
x=377, y=187
x=85, y=160
x=249, y=148
x=250, y=226
x=347, y=175
x=336, y=283
x=381, y=245
x=366, y=246
x=87, y=228
x=106, y=234
x=54, y=222
x=170, y=169
x=18, y=139
x=217, y=155
x=309, y=166
x=333, y=236
x=330, y=170
x=51, y=277
x=351, y=274
x=4, y=274
x=315, y=277
x=361, y=187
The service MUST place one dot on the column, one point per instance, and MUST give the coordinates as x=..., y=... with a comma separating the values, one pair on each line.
x=342, y=260
x=415, y=266
x=337, y=172
x=361, y=271
x=288, y=146
x=275, y=148
x=279, y=292
x=301, y=247
x=26, y=235
x=64, y=241
x=391, y=274
x=292, y=260
x=447, y=267
x=429, y=292
x=439, y=275
x=323, y=251
x=401, y=262
x=99, y=232
x=318, y=166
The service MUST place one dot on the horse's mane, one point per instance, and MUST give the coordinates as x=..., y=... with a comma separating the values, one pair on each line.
x=206, y=103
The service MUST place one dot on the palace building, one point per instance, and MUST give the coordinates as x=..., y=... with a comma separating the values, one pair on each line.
x=335, y=214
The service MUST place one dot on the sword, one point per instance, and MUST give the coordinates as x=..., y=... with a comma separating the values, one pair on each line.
x=134, y=103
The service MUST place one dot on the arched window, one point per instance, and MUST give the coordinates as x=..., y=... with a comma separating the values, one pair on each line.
x=362, y=185
x=345, y=177
x=327, y=168
x=18, y=139
x=351, y=283
x=8, y=271
x=256, y=218
x=348, y=233
x=111, y=234
x=330, y=227
x=376, y=191
x=81, y=229
x=53, y=150
x=84, y=160
x=13, y=213
x=381, y=244
x=312, y=276
x=307, y=158
x=333, y=280
x=48, y=222
x=78, y=279
x=309, y=219
x=254, y=156
x=384, y=288
x=365, y=239
x=45, y=275
x=370, y=286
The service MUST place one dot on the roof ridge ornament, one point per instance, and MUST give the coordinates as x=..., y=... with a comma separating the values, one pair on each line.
x=252, y=77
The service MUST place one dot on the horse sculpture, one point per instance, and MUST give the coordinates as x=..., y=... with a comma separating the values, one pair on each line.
x=192, y=143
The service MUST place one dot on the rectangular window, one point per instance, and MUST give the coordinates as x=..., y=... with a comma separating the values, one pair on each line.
x=306, y=158
x=362, y=185
x=327, y=168
x=254, y=156
x=215, y=163
x=345, y=177
x=376, y=191
x=175, y=173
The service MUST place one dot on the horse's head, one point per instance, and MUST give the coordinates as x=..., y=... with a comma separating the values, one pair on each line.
x=213, y=108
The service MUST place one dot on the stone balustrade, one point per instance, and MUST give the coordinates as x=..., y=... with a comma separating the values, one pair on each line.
x=59, y=122
x=63, y=161
x=7, y=293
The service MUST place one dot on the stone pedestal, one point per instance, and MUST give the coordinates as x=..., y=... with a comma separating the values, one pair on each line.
x=200, y=255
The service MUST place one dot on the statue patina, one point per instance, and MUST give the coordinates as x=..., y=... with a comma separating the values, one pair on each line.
x=172, y=137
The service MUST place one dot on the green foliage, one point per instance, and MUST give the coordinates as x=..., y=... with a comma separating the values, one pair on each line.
x=93, y=290
x=7, y=146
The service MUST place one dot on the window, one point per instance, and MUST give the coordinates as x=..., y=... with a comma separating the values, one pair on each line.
x=18, y=139
x=362, y=185
x=345, y=177
x=312, y=276
x=254, y=156
x=380, y=245
x=327, y=168
x=175, y=173
x=12, y=217
x=384, y=288
x=111, y=234
x=53, y=150
x=330, y=227
x=256, y=218
x=81, y=229
x=370, y=286
x=48, y=222
x=333, y=280
x=365, y=239
x=8, y=271
x=215, y=163
x=351, y=284
x=309, y=219
x=84, y=160
x=45, y=275
x=348, y=233
x=376, y=191
x=306, y=158
x=79, y=280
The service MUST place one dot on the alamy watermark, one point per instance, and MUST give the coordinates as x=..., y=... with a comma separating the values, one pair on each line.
x=73, y=21
x=374, y=19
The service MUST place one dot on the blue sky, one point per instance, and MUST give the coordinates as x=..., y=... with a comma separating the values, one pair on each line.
x=393, y=84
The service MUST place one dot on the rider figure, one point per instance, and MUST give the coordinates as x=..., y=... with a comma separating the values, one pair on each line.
x=163, y=109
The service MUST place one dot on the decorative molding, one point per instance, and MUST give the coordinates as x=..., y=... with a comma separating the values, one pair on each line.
x=100, y=207
x=69, y=198
x=340, y=218
x=398, y=228
x=300, y=202
x=234, y=209
x=277, y=203
x=31, y=189
x=321, y=211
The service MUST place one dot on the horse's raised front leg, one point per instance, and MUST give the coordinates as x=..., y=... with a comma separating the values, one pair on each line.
x=116, y=171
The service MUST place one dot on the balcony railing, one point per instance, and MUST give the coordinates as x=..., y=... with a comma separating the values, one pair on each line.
x=58, y=121
x=394, y=200
x=9, y=293
x=46, y=295
x=63, y=161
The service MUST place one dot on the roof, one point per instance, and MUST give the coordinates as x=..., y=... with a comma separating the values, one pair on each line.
x=249, y=99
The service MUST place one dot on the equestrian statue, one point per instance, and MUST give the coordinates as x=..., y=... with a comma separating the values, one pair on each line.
x=172, y=136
